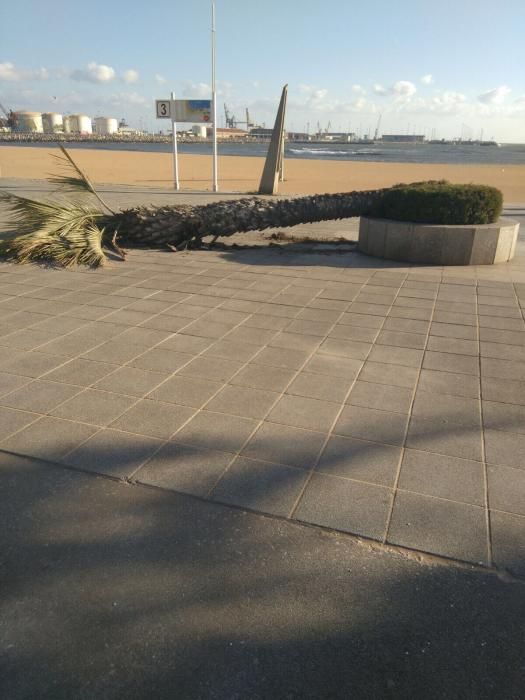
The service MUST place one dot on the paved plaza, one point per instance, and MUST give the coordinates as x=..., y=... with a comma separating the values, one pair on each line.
x=322, y=387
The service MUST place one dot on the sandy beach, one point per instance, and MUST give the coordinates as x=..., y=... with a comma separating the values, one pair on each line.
x=242, y=174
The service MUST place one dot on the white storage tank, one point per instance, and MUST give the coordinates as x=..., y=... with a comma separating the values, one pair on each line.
x=199, y=130
x=80, y=124
x=106, y=125
x=52, y=122
x=29, y=121
x=67, y=125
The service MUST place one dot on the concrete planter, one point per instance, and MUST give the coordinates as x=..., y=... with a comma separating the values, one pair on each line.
x=430, y=244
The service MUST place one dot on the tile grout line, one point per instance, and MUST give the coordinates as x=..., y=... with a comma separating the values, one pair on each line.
x=395, y=486
x=343, y=406
x=283, y=392
x=490, y=559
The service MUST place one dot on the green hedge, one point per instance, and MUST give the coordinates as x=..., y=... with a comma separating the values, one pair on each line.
x=439, y=202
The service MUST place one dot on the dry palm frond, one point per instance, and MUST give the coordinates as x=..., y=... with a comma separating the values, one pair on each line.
x=65, y=234
x=76, y=183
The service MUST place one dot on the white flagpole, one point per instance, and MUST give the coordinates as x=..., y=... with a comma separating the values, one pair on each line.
x=175, y=153
x=214, y=98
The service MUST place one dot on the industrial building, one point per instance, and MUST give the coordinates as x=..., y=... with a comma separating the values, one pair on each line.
x=403, y=138
x=28, y=122
x=106, y=125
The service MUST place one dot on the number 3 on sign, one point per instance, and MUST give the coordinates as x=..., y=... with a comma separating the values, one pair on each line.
x=163, y=109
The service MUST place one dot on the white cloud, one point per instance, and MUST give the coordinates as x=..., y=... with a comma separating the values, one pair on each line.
x=403, y=89
x=427, y=79
x=127, y=98
x=494, y=96
x=94, y=73
x=130, y=76
x=201, y=90
x=8, y=71
x=380, y=90
x=358, y=89
x=160, y=79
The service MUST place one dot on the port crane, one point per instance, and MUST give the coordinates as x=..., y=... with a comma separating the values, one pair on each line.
x=9, y=114
x=232, y=123
x=376, y=132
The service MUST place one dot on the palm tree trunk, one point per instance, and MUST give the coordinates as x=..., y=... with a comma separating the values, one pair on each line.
x=185, y=225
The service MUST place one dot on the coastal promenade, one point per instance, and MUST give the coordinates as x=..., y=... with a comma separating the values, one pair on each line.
x=250, y=469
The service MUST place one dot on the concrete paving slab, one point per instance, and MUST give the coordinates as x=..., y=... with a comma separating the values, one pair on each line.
x=251, y=355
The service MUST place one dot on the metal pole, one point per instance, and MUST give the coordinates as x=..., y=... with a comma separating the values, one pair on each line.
x=175, y=153
x=214, y=98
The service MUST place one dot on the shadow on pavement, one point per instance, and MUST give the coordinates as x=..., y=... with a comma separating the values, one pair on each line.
x=111, y=590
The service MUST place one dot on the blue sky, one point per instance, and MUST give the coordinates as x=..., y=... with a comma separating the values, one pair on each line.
x=448, y=68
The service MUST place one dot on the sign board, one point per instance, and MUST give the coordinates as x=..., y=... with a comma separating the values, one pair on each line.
x=184, y=110
x=193, y=111
x=163, y=109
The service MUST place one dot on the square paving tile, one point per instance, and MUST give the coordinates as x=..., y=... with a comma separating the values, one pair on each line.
x=432, y=381
x=241, y=352
x=96, y=407
x=191, y=344
x=153, y=418
x=302, y=412
x=39, y=396
x=182, y=468
x=346, y=348
x=496, y=335
x=30, y=364
x=508, y=542
x=388, y=354
x=208, y=329
x=262, y=486
x=285, y=445
x=403, y=340
x=506, y=487
x=49, y=438
x=454, y=330
x=503, y=390
x=187, y=391
x=369, y=424
x=27, y=339
x=449, y=362
x=406, y=325
x=504, y=416
x=12, y=420
x=334, y=366
x=215, y=368
x=319, y=328
x=445, y=438
x=342, y=504
x=159, y=360
x=115, y=351
x=113, y=452
x=320, y=386
x=80, y=372
x=453, y=345
x=505, y=448
x=382, y=396
x=347, y=332
x=131, y=381
x=395, y=375
x=362, y=320
x=447, y=528
x=217, y=431
x=269, y=322
x=360, y=460
x=250, y=334
x=10, y=382
x=243, y=401
x=451, y=410
x=445, y=477
x=281, y=357
x=502, y=369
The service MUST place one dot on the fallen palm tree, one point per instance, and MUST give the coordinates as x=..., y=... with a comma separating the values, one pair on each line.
x=70, y=232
